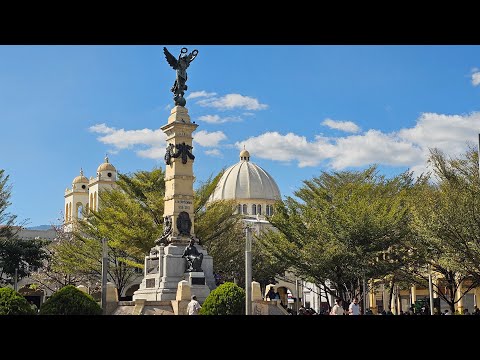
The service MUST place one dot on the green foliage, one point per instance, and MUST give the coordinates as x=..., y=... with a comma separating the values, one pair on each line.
x=70, y=301
x=21, y=255
x=445, y=218
x=227, y=299
x=339, y=227
x=6, y=219
x=12, y=303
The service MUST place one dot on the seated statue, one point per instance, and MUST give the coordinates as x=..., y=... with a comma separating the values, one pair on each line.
x=193, y=256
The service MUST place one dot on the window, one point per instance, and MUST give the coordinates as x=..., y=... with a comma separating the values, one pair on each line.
x=245, y=210
x=239, y=209
x=259, y=209
x=269, y=210
x=254, y=209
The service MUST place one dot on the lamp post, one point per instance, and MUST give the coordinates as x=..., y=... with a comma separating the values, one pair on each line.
x=248, y=270
x=104, y=275
x=430, y=288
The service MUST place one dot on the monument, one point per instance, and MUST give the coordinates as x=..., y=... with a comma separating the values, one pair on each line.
x=177, y=255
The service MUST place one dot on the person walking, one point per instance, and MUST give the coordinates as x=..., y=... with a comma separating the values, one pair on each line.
x=354, y=308
x=193, y=306
x=337, y=309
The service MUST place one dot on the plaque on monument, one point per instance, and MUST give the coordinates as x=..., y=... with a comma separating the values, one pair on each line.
x=149, y=283
x=198, y=281
x=152, y=266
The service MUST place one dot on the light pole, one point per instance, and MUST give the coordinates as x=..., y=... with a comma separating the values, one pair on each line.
x=15, y=280
x=430, y=288
x=104, y=275
x=364, y=296
x=248, y=270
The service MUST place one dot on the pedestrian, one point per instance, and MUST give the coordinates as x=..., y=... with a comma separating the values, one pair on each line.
x=354, y=308
x=337, y=309
x=270, y=294
x=193, y=306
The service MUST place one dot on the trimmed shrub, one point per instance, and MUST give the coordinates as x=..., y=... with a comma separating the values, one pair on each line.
x=70, y=301
x=12, y=303
x=227, y=299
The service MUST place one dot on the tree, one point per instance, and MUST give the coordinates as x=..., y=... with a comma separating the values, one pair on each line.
x=227, y=299
x=130, y=218
x=55, y=273
x=70, y=301
x=446, y=214
x=12, y=303
x=16, y=256
x=336, y=232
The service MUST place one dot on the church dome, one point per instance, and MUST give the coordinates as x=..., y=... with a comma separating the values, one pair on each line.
x=106, y=166
x=245, y=180
x=80, y=178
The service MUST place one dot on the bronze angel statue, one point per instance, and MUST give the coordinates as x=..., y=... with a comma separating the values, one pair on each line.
x=180, y=65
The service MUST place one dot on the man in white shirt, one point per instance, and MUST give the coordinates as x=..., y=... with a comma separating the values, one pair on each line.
x=354, y=308
x=193, y=306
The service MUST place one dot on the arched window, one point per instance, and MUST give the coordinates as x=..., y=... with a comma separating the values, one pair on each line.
x=79, y=211
x=66, y=212
x=254, y=209
x=245, y=209
x=269, y=210
x=259, y=209
x=91, y=202
x=239, y=209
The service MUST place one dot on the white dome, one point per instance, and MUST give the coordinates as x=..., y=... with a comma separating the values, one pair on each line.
x=245, y=180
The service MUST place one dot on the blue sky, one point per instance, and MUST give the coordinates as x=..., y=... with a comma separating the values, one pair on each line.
x=299, y=110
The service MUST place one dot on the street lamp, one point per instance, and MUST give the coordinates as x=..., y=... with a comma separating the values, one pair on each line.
x=104, y=275
x=248, y=271
x=430, y=288
x=248, y=260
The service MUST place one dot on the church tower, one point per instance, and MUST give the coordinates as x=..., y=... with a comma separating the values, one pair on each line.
x=105, y=179
x=83, y=196
x=76, y=200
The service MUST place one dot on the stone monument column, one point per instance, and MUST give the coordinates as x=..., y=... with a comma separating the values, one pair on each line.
x=179, y=175
x=168, y=267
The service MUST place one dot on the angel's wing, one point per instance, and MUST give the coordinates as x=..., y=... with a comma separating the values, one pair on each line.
x=170, y=58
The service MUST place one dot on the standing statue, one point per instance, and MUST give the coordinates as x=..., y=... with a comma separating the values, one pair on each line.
x=180, y=65
x=193, y=256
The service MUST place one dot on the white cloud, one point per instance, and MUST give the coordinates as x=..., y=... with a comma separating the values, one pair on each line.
x=232, y=101
x=286, y=148
x=209, y=139
x=476, y=78
x=213, y=152
x=198, y=94
x=346, y=126
x=123, y=139
x=154, y=153
x=405, y=148
x=101, y=129
x=216, y=119
x=373, y=147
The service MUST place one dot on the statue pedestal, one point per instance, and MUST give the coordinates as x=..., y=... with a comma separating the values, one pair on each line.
x=165, y=268
x=198, y=285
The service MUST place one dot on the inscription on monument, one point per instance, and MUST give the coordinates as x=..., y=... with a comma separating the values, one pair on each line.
x=183, y=204
x=198, y=281
x=149, y=283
